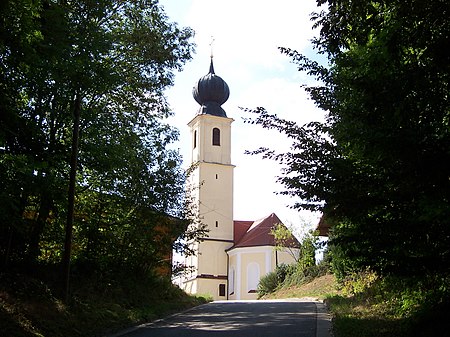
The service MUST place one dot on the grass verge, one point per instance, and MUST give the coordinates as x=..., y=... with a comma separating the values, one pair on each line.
x=369, y=305
x=29, y=307
x=366, y=305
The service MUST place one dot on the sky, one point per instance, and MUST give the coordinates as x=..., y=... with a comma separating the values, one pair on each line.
x=247, y=34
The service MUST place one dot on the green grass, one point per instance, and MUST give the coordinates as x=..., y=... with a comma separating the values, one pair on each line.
x=319, y=288
x=358, y=318
x=366, y=305
x=369, y=305
x=29, y=307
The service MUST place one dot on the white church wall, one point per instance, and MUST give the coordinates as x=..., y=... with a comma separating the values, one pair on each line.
x=213, y=258
x=203, y=149
x=211, y=287
x=216, y=195
x=250, y=264
x=286, y=256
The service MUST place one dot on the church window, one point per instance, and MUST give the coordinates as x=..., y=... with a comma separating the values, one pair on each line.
x=195, y=139
x=252, y=277
x=231, y=281
x=216, y=137
x=217, y=176
x=222, y=289
x=217, y=223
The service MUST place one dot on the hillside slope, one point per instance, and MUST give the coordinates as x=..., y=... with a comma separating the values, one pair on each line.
x=29, y=307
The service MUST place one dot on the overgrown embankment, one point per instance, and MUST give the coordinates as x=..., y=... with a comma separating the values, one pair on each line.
x=32, y=307
x=369, y=305
x=320, y=288
x=365, y=304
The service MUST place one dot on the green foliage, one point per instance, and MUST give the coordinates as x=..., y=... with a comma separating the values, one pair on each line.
x=303, y=270
x=117, y=57
x=273, y=280
x=101, y=304
x=283, y=270
x=371, y=305
x=378, y=166
x=305, y=267
x=307, y=255
x=299, y=275
x=358, y=282
x=268, y=283
x=282, y=235
x=285, y=240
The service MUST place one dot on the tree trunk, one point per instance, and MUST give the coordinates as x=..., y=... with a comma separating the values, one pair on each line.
x=38, y=227
x=71, y=197
x=8, y=246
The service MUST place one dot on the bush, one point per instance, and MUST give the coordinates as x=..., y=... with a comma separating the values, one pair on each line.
x=284, y=270
x=300, y=275
x=359, y=282
x=271, y=281
x=267, y=284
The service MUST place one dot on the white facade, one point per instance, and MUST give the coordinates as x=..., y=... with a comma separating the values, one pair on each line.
x=213, y=182
x=248, y=264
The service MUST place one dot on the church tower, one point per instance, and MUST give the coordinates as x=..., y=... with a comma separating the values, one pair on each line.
x=212, y=179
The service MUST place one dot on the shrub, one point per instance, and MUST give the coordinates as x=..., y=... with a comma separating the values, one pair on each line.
x=271, y=281
x=359, y=282
x=284, y=270
x=267, y=284
x=299, y=275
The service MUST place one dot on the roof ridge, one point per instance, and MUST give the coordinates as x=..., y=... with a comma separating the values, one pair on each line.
x=257, y=222
x=259, y=233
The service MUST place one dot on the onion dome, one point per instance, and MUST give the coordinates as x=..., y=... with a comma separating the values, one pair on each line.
x=211, y=91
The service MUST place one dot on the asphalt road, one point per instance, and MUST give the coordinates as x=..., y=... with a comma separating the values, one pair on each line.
x=285, y=318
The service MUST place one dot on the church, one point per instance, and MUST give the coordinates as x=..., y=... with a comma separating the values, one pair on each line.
x=236, y=254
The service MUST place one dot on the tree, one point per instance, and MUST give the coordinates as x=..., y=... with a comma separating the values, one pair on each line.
x=378, y=166
x=285, y=241
x=108, y=63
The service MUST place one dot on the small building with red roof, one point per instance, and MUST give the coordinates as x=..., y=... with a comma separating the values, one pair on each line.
x=254, y=253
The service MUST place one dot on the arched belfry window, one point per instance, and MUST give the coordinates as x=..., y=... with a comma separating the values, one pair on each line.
x=216, y=137
x=195, y=139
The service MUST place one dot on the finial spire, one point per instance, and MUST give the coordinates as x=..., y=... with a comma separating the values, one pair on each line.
x=211, y=67
x=211, y=45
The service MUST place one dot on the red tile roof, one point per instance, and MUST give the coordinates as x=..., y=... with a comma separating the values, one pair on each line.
x=323, y=226
x=257, y=233
x=240, y=228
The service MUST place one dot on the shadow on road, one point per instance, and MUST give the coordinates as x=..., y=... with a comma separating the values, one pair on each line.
x=239, y=318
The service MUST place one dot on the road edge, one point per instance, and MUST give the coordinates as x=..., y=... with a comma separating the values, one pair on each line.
x=323, y=320
x=143, y=325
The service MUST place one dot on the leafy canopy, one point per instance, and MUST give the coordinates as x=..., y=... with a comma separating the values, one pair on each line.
x=379, y=165
x=117, y=58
